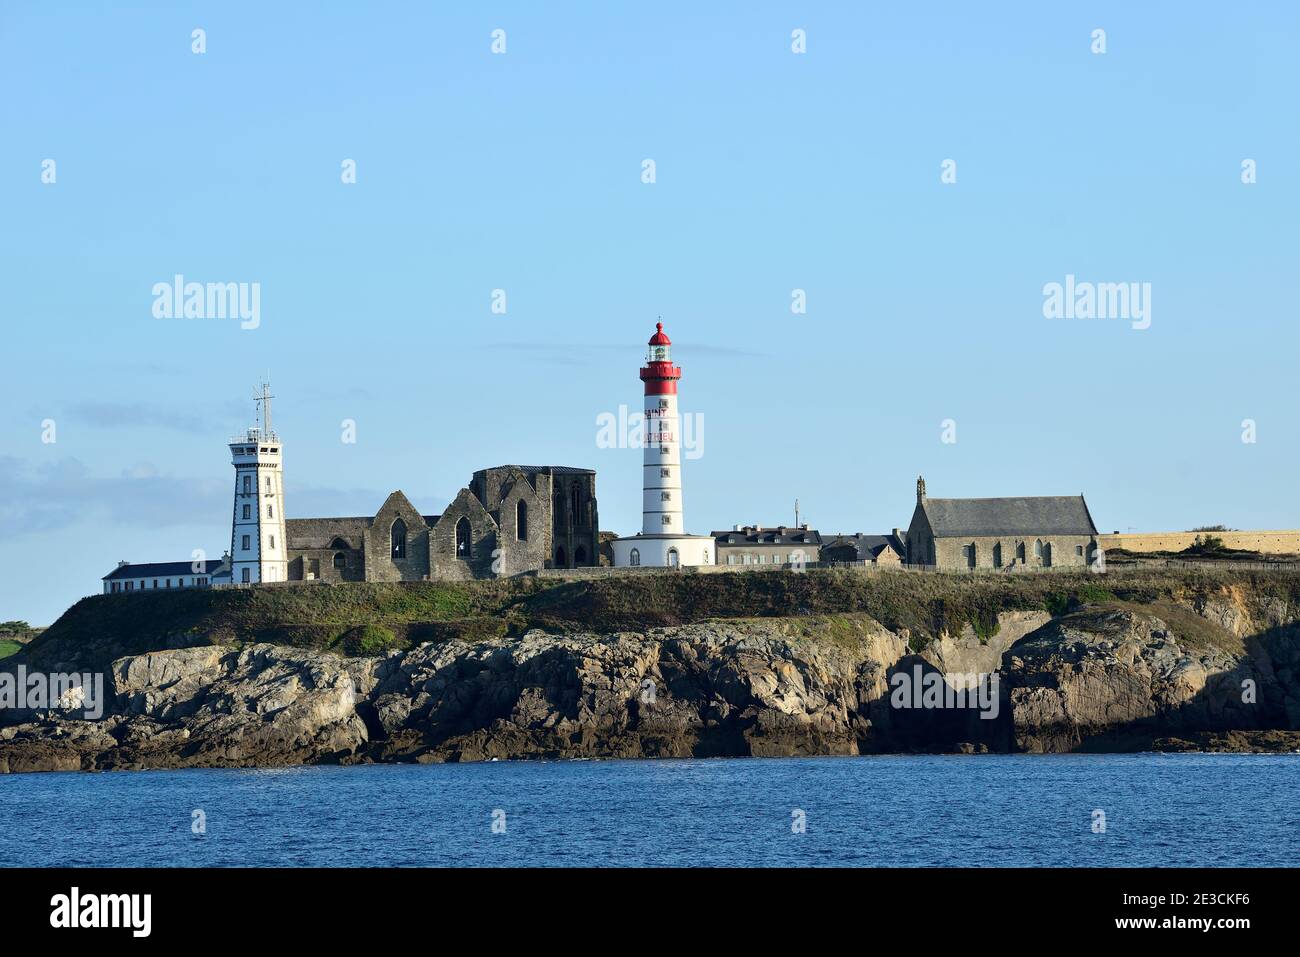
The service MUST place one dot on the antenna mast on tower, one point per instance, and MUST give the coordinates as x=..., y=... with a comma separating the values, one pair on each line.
x=262, y=399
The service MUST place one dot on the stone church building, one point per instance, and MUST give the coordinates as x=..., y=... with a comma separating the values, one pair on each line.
x=508, y=520
x=1039, y=532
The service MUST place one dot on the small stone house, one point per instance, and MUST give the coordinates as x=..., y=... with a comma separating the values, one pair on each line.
x=876, y=549
x=1037, y=532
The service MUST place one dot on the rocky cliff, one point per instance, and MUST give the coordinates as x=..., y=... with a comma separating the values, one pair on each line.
x=1217, y=669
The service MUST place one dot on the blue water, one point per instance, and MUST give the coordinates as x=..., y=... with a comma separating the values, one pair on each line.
x=1192, y=810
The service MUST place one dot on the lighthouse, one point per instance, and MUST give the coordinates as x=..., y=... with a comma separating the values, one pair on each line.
x=258, y=547
x=663, y=541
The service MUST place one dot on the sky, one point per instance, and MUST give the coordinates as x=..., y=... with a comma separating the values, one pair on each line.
x=924, y=347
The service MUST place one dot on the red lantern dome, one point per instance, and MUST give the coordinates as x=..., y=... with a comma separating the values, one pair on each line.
x=659, y=339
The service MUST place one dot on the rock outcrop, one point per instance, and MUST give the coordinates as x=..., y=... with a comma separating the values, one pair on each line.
x=1106, y=677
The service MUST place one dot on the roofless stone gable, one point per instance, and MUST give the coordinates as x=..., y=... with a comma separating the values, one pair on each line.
x=509, y=520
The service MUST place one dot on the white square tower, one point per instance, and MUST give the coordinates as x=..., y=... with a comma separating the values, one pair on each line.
x=259, y=551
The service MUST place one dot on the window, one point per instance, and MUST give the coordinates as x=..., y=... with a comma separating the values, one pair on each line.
x=673, y=559
x=200, y=581
x=1038, y=548
x=634, y=557
x=268, y=483
x=339, y=560
x=731, y=559
x=463, y=538
x=559, y=510
x=1020, y=552
x=1078, y=549
x=561, y=560
x=270, y=511
x=665, y=496
x=248, y=485
x=1047, y=553
x=169, y=582
x=663, y=403
x=398, y=538
x=776, y=559
x=244, y=545
x=667, y=519
x=664, y=450
x=155, y=583
x=665, y=473
x=247, y=516
x=244, y=577
x=130, y=586
x=997, y=555
x=575, y=495
x=580, y=556
x=272, y=543
x=521, y=521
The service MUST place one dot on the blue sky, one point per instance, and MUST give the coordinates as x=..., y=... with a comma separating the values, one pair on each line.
x=522, y=172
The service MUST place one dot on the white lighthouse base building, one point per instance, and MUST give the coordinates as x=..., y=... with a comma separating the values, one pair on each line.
x=663, y=551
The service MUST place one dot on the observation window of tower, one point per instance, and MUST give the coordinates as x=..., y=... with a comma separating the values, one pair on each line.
x=244, y=543
x=665, y=473
x=246, y=513
x=248, y=484
x=270, y=511
x=663, y=403
x=660, y=353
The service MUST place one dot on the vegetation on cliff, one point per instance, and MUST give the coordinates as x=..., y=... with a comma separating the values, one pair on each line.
x=102, y=628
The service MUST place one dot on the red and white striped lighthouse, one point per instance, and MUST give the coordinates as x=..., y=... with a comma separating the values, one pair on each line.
x=663, y=540
x=661, y=507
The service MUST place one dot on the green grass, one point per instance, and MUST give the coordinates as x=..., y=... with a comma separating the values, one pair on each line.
x=7, y=648
x=828, y=605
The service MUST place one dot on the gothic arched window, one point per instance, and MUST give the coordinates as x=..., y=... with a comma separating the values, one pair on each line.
x=339, y=560
x=399, y=539
x=560, y=558
x=462, y=538
x=521, y=521
x=575, y=495
x=635, y=557
x=580, y=556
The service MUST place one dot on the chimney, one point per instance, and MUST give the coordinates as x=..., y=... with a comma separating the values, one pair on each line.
x=123, y=563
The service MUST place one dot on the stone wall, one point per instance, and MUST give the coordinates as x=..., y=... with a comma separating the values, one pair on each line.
x=1283, y=542
x=1066, y=550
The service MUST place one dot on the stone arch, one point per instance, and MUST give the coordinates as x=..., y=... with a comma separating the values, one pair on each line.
x=338, y=544
x=579, y=556
x=561, y=560
x=464, y=538
x=997, y=554
x=397, y=536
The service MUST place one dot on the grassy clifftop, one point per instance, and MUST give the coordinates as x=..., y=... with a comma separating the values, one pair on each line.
x=99, y=629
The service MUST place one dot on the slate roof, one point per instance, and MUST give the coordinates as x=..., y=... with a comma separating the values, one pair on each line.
x=981, y=517
x=768, y=536
x=161, y=570
x=868, y=546
x=556, y=469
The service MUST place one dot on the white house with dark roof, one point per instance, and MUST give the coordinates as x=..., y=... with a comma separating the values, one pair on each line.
x=772, y=545
x=160, y=576
x=1035, y=532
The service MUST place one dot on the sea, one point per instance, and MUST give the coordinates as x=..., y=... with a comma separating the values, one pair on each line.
x=1240, y=810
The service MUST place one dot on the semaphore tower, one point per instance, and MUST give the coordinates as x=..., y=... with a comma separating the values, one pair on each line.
x=258, y=549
